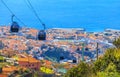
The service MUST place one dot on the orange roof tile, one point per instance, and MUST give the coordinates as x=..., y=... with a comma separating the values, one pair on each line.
x=9, y=69
x=28, y=59
x=48, y=62
x=3, y=75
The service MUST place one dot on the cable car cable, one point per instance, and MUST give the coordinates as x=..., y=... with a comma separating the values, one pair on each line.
x=32, y=8
x=12, y=12
x=41, y=34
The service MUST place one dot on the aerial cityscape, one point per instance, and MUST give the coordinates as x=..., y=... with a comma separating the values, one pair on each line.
x=32, y=48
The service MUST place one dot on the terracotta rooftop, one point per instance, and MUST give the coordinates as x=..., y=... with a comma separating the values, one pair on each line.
x=27, y=59
x=9, y=68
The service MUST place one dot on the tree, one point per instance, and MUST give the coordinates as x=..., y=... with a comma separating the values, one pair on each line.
x=82, y=70
x=111, y=55
x=117, y=42
x=99, y=66
x=111, y=70
x=102, y=63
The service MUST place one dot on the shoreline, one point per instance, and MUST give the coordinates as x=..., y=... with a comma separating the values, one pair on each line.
x=67, y=28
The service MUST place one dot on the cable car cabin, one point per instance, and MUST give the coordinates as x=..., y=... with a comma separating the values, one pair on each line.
x=14, y=27
x=42, y=35
x=74, y=61
x=62, y=58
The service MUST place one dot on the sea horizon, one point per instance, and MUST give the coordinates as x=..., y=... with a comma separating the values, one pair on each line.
x=67, y=28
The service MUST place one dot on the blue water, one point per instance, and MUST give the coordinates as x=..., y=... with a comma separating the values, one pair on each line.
x=93, y=15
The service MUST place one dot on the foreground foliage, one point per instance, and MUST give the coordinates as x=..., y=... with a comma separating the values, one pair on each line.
x=106, y=66
x=117, y=42
x=82, y=70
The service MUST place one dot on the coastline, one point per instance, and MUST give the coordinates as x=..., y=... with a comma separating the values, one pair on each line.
x=68, y=28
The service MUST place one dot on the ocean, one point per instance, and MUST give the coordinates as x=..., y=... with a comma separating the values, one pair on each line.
x=93, y=15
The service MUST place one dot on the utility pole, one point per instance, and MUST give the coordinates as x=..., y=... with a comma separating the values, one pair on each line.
x=97, y=50
x=83, y=51
x=1, y=46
